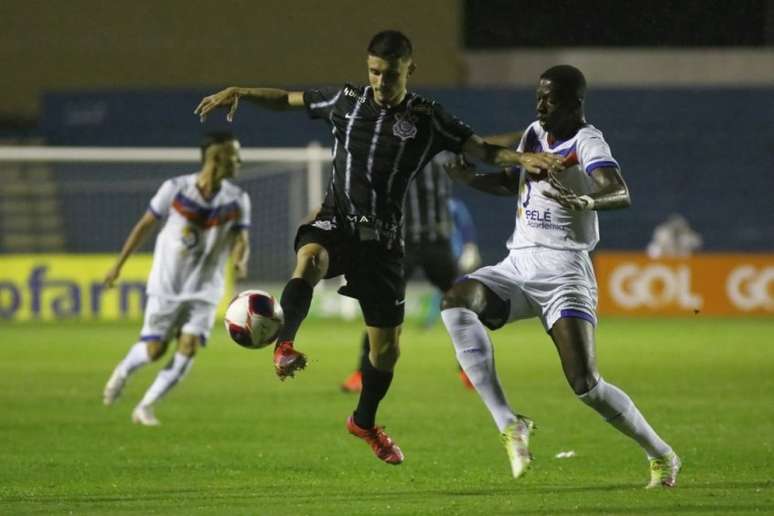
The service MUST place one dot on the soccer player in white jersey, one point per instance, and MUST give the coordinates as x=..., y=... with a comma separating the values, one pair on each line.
x=548, y=272
x=207, y=218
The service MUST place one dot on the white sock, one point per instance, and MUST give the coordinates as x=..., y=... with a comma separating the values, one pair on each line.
x=476, y=356
x=619, y=410
x=167, y=378
x=136, y=358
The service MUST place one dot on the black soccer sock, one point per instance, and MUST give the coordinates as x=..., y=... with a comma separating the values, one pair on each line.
x=375, y=385
x=295, y=301
x=364, y=351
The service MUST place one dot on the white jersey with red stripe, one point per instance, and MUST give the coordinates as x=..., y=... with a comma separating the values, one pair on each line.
x=543, y=222
x=193, y=246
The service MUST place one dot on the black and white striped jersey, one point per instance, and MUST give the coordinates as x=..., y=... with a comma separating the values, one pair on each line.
x=426, y=213
x=377, y=151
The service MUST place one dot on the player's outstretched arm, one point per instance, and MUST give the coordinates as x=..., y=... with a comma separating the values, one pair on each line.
x=136, y=237
x=268, y=98
x=505, y=184
x=533, y=163
x=240, y=252
x=504, y=139
x=610, y=192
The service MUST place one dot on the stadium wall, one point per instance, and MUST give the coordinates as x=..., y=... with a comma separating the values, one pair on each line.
x=193, y=43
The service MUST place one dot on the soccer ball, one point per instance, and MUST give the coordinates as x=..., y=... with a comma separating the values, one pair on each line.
x=253, y=319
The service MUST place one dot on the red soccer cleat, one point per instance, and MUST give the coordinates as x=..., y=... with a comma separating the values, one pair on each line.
x=466, y=381
x=353, y=383
x=384, y=447
x=287, y=360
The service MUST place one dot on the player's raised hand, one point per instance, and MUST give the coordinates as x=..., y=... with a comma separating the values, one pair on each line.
x=568, y=198
x=240, y=270
x=111, y=276
x=228, y=97
x=541, y=162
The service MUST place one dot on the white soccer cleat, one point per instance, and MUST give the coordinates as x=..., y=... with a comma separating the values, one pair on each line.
x=515, y=438
x=664, y=470
x=113, y=387
x=143, y=415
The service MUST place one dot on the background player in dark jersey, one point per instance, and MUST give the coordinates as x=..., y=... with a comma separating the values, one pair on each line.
x=383, y=136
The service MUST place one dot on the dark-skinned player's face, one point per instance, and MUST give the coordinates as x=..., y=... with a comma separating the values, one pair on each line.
x=388, y=78
x=554, y=111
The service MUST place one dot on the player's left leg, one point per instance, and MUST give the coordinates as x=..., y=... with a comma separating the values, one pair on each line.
x=199, y=318
x=312, y=262
x=175, y=370
x=465, y=306
x=159, y=317
x=377, y=377
x=145, y=351
x=441, y=269
x=573, y=337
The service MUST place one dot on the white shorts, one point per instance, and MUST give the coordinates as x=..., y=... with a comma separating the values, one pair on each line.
x=164, y=317
x=543, y=282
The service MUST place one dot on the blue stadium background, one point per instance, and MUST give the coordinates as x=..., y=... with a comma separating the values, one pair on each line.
x=705, y=153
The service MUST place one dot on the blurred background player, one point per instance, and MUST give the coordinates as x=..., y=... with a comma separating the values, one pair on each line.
x=548, y=272
x=674, y=238
x=207, y=218
x=383, y=136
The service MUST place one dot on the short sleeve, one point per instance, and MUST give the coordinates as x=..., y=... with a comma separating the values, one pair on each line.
x=523, y=141
x=162, y=201
x=320, y=102
x=453, y=131
x=244, y=212
x=527, y=137
x=594, y=152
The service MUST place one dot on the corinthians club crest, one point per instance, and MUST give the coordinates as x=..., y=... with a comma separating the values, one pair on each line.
x=404, y=127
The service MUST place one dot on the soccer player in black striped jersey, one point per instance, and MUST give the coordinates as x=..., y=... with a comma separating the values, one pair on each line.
x=383, y=136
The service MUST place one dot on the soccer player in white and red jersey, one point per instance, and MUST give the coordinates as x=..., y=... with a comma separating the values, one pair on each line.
x=207, y=218
x=548, y=273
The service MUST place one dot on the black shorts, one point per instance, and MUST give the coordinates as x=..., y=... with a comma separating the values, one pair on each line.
x=374, y=273
x=436, y=259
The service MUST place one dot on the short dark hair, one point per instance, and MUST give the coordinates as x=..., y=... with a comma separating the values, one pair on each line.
x=569, y=81
x=390, y=44
x=215, y=138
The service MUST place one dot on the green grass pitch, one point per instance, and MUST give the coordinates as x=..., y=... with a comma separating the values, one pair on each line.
x=235, y=440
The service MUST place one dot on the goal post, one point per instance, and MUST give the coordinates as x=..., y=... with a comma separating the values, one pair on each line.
x=85, y=199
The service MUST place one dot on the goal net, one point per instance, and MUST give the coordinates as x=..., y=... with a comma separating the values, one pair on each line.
x=86, y=200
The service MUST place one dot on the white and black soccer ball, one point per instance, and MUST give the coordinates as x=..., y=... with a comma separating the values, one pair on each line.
x=253, y=319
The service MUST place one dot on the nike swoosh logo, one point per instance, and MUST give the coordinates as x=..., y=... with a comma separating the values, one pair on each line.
x=399, y=302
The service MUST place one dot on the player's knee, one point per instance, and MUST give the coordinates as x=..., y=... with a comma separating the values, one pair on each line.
x=456, y=298
x=156, y=349
x=386, y=358
x=582, y=383
x=312, y=262
x=385, y=351
x=188, y=345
